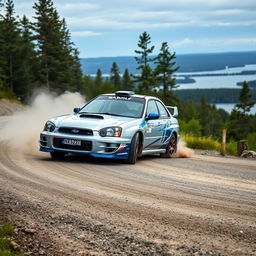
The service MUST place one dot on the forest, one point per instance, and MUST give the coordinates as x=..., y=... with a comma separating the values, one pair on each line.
x=41, y=54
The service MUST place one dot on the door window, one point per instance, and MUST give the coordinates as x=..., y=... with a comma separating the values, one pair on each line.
x=162, y=110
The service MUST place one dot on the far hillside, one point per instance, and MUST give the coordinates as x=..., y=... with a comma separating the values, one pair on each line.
x=187, y=62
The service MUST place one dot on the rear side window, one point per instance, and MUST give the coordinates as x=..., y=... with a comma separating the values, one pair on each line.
x=152, y=108
x=162, y=110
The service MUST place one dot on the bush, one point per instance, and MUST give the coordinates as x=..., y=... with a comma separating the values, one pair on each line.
x=7, y=94
x=251, y=138
x=202, y=142
x=192, y=127
x=231, y=148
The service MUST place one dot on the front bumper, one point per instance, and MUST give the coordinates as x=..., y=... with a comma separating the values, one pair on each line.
x=97, y=146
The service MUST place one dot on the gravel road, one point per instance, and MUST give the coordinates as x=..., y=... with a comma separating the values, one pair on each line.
x=203, y=205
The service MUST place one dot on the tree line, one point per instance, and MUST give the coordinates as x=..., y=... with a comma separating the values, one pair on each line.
x=37, y=54
x=40, y=54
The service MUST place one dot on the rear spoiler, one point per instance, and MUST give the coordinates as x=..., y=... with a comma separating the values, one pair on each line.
x=174, y=110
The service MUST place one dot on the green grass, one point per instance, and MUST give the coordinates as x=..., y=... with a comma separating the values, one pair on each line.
x=5, y=244
x=6, y=94
x=231, y=148
x=201, y=142
x=208, y=143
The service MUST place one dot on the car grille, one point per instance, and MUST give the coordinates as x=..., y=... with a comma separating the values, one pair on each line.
x=85, y=145
x=76, y=131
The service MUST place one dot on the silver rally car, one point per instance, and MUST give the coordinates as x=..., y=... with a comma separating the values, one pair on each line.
x=119, y=126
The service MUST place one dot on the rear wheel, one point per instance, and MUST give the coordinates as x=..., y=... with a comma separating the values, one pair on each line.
x=57, y=155
x=134, y=149
x=171, y=149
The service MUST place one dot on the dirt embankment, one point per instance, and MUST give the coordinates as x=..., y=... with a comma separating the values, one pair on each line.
x=8, y=108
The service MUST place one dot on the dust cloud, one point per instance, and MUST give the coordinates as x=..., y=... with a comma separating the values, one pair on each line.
x=183, y=151
x=22, y=129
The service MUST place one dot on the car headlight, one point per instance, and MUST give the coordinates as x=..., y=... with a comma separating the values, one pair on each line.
x=49, y=126
x=111, y=132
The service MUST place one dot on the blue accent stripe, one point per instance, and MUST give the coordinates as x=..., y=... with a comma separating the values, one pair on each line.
x=152, y=143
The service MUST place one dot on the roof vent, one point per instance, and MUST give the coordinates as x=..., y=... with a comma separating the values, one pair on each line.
x=124, y=93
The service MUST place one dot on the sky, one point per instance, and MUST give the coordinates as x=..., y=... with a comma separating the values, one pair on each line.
x=103, y=28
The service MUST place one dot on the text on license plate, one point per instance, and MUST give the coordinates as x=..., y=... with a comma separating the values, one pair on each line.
x=71, y=142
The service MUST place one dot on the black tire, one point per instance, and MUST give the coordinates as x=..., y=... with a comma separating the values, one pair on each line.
x=171, y=149
x=57, y=155
x=133, y=153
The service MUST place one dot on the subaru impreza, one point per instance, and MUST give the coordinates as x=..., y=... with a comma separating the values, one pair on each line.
x=122, y=125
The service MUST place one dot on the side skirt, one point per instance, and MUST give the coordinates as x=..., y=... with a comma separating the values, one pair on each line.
x=152, y=151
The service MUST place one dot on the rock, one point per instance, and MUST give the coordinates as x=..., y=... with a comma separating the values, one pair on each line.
x=29, y=231
x=81, y=237
x=248, y=154
x=14, y=245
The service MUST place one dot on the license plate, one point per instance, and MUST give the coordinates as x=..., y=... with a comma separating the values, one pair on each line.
x=72, y=142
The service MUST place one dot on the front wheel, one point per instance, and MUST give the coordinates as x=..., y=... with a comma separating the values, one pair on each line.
x=134, y=149
x=57, y=155
x=171, y=149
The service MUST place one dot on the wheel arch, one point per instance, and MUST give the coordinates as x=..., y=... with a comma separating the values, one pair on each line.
x=176, y=134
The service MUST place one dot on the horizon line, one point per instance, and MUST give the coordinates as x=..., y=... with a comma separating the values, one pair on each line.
x=177, y=54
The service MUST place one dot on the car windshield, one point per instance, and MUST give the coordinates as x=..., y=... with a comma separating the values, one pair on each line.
x=117, y=106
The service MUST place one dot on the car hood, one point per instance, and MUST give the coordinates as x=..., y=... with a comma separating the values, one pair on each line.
x=94, y=122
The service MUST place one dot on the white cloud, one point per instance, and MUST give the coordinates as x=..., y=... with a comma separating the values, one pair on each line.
x=182, y=43
x=85, y=33
x=214, y=42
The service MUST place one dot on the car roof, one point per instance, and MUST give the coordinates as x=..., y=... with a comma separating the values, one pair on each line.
x=133, y=95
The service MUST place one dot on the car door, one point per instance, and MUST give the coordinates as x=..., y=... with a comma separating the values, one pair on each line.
x=164, y=123
x=153, y=133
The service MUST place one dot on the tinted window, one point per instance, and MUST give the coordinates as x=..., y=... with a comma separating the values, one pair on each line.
x=152, y=108
x=120, y=106
x=162, y=110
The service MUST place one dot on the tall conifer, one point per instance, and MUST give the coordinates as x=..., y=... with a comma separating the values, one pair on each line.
x=58, y=59
x=11, y=43
x=115, y=76
x=126, y=81
x=145, y=80
x=165, y=69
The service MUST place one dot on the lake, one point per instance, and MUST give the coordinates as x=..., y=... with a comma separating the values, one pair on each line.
x=208, y=82
x=229, y=106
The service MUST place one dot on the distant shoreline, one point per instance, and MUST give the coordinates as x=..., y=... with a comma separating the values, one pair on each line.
x=187, y=62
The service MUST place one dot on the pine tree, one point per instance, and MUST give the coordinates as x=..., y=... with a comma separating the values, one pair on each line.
x=28, y=67
x=98, y=79
x=246, y=103
x=145, y=79
x=76, y=68
x=10, y=47
x=165, y=70
x=58, y=58
x=115, y=76
x=127, y=84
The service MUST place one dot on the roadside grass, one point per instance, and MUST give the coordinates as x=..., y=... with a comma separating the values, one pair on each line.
x=7, y=94
x=6, y=230
x=208, y=143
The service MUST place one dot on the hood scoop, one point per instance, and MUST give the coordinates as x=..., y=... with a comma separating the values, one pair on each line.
x=91, y=116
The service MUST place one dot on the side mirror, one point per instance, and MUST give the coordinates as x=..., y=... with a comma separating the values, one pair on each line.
x=152, y=116
x=76, y=110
